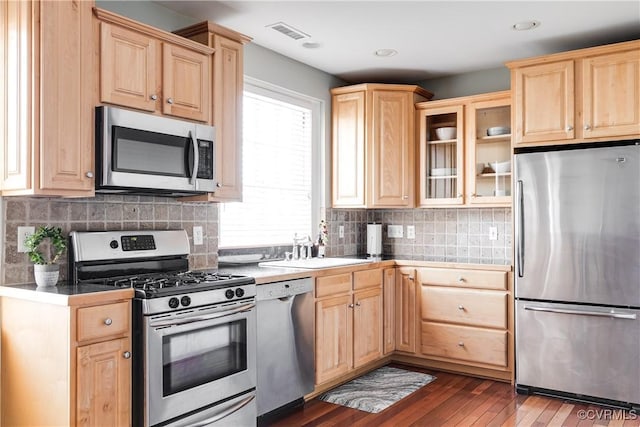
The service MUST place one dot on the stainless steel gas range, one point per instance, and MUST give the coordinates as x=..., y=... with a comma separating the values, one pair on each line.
x=194, y=332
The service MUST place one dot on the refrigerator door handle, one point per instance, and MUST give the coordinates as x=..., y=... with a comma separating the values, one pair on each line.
x=612, y=314
x=520, y=229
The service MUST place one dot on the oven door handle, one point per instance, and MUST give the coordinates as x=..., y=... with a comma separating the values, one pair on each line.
x=224, y=414
x=194, y=319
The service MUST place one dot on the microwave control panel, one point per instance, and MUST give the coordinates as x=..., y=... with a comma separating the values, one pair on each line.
x=205, y=167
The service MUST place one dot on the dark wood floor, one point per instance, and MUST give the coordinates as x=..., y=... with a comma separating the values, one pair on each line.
x=456, y=400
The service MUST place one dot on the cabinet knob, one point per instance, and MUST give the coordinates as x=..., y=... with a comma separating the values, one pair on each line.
x=219, y=185
x=461, y=307
x=587, y=127
x=126, y=355
x=358, y=303
x=350, y=305
x=89, y=174
x=411, y=278
x=153, y=97
x=461, y=279
x=169, y=100
x=461, y=344
x=569, y=128
x=459, y=196
x=108, y=321
x=405, y=197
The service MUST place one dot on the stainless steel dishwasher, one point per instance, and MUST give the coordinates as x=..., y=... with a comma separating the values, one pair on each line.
x=285, y=358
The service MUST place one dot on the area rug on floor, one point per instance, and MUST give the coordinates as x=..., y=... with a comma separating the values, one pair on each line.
x=377, y=390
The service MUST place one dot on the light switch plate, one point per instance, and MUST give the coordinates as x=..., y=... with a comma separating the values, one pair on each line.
x=395, y=231
x=411, y=231
x=23, y=233
x=493, y=233
x=198, y=238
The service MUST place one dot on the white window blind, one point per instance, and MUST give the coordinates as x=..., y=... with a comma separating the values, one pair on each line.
x=277, y=174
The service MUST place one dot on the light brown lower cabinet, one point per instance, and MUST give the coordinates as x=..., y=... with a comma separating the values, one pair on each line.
x=466, y=320
x=349, y=322
x=67, y=363
x=406, y=302
x=389, y=311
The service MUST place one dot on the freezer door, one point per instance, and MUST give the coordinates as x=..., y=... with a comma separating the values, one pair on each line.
x=585, y=350
x=577, y=225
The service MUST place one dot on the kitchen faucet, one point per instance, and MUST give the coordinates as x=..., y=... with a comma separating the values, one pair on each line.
x=300, y=243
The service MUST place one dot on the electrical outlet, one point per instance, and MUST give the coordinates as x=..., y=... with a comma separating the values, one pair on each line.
x=341, y=231
x=395, y=231
x=197, y=235
x=411, y=231
x=23, y=233
x=493, y=233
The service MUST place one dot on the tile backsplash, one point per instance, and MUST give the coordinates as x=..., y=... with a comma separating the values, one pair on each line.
x=105, y=212
x=450, y=235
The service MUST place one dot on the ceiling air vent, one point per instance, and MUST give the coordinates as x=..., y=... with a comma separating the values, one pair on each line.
x=288, y=31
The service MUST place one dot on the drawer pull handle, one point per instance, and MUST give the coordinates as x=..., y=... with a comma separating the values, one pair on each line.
x=461, y=307
x=126, y=355
x=461, y=344
x=108, y=321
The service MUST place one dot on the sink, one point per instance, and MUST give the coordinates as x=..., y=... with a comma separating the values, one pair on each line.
x=315, y=263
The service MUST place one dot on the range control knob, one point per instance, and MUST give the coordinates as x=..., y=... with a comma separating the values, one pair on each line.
x=239, y=292
x=113, y=244
x=229, y=293
x=174, y=303
x=185, y=301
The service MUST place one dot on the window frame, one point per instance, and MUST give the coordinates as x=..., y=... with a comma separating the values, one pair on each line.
x=316, y=106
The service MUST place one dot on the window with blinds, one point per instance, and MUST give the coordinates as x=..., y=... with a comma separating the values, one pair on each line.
x=277, y=164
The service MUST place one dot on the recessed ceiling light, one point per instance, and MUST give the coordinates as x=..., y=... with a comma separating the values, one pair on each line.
x=383, y=53
x=311, y=44
x=526, y=25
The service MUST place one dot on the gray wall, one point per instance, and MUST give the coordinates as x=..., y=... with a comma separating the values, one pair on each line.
x=473, y=83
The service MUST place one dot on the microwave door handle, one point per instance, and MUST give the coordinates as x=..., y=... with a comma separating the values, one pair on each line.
x=196, y=160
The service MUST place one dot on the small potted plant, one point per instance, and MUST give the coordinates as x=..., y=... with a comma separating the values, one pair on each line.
x=44, y=247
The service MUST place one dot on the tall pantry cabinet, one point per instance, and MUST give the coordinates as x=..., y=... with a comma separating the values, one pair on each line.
x=47, y=98
x=372, y=145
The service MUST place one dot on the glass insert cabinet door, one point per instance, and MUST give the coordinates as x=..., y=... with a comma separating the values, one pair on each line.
x=441, y=135
x=489, y=153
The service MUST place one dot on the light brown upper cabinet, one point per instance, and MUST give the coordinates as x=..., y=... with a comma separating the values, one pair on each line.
x=585, y=95
x=148, y=69
x=464, y=151
x=227, y=105
x=46, y=98
x=373, y=145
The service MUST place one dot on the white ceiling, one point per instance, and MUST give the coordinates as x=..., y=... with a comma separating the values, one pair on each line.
x=433, y=38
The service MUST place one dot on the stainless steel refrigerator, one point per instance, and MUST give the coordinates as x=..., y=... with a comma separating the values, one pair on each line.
x=577, y=273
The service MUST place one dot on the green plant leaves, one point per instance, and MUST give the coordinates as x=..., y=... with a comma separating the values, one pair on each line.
x=57, y=245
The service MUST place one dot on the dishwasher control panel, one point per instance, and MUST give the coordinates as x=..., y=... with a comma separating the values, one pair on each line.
x=284, y=289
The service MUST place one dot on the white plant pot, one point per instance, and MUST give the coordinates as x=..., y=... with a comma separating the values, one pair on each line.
x=46, y=275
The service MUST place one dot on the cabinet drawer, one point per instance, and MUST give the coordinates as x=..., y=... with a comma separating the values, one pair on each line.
x=467, y=306
x=102, y=321
x=332, y=285
x=463, y=278
x=367, y=279
x=464, y=343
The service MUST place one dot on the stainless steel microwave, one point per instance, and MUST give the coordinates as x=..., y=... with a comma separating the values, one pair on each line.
x=140, y=153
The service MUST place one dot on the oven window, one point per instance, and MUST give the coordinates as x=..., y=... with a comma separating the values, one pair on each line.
x=204, y=355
